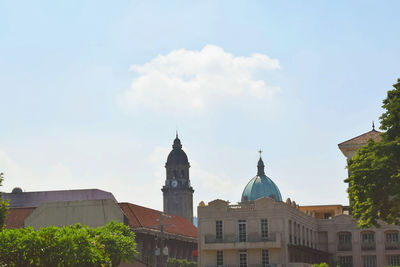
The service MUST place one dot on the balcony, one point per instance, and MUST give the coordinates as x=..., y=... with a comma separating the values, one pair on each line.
x=253, y=240
x=253, y=237
x=344, y=247
x=392, y=245
x=368, y=246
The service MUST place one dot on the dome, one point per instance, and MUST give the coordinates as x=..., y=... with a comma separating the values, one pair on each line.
x=177, y=155
x=16, y=190
x=261, y=186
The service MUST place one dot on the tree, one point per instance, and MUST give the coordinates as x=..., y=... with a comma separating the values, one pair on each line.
x=74, y=245
x=3, y=207
x=374, y=181
x=171, y=262
x=323, y=264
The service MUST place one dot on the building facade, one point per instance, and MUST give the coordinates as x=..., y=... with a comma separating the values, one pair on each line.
x=262, y=230
x=177, y=191
x=154, y=229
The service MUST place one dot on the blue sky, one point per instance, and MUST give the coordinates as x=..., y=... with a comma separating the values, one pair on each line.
x=92, y=92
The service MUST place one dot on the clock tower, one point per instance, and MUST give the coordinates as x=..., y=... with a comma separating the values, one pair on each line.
x=177, y=191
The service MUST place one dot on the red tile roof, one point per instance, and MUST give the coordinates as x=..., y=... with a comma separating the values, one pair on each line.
x=363, y=139
x=16, y=217
x=139, y=216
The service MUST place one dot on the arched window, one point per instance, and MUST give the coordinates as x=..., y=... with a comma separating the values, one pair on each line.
x=392, y=239
x=368, y=240
x=344, y=241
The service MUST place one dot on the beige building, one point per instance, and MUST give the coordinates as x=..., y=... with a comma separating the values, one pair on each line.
x=93, y=207
x=262, y=230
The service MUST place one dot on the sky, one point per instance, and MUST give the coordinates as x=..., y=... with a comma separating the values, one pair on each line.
x=92, y=93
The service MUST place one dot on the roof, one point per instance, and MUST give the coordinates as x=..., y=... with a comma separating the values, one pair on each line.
x=177, y=155
x=142, y=217
x=318, y=206
x=16, y=217
x=261, y=186
x=363, y=139
x=93, y=213
x=34, y=199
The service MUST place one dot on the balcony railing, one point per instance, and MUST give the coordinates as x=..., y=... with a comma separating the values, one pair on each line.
x=368, y=246
x=392, y=245
x=344, y=247
x=251, y=237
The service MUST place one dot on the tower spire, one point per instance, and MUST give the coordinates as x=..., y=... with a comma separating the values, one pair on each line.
x=373, y=126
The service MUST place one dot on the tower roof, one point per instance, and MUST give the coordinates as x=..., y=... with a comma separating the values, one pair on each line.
x=177, y=155
x=363, y=138
x=261, y=186
x=350, y=147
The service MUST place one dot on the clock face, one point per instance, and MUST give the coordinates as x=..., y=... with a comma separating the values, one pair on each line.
x=174, y=183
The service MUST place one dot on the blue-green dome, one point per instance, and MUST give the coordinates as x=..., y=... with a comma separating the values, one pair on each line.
x=261, y=186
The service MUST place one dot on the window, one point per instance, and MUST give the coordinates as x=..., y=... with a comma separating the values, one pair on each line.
x=368, y=237
x=265, y=258
x=295, y=233
x=264, y=229
x=218, y=229
x=368, y=240
x=303, y=235
x=369, y=261
x=220, y=258
x=345, y=261
x=392, y=240
x=290, y=232
x=242, y=258
x=298, y=234
x=394, y=260
x=344, y=239
x=392, y=237
x=307, y=237
x=242, y=231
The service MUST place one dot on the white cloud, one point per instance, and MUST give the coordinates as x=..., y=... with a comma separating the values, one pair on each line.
x=185, y=80
x=210, y=186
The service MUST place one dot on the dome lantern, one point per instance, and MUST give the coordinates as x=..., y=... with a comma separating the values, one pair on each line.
x=260, y=167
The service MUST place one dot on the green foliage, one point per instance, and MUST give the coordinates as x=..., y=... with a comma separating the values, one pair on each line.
x=3, y=207
x=171, y=262
x=374, y=182
x=323, y=264
x=390, y=119
x=75, y=245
